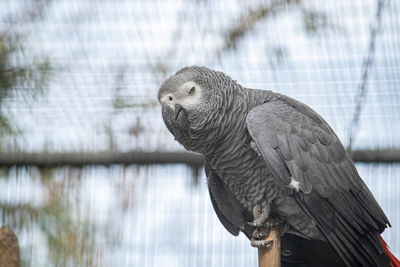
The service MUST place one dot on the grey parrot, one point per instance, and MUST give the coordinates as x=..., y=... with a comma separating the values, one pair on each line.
x=272, y=161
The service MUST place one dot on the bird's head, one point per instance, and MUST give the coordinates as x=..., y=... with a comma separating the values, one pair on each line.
x=192, y=100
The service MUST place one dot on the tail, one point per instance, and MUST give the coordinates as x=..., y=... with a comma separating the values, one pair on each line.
x=394, y=262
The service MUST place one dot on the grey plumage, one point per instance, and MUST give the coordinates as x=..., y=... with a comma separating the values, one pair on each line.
x=263, y=148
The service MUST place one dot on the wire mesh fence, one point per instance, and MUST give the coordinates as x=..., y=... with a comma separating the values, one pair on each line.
x=140, y=216
x=82, y=76
x=107, y=60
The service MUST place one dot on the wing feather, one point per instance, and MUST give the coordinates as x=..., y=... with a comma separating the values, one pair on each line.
x=230, y=212
x=295, y=142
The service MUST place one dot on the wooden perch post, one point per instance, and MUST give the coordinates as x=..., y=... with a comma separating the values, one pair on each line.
x=270, y=256
x=9, y=248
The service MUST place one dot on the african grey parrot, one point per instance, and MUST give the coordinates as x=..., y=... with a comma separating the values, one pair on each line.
x=272, y=161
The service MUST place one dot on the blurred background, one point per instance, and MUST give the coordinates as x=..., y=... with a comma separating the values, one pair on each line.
x=84, y=179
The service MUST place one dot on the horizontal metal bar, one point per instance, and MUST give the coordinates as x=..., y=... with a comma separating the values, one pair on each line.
x=100, y=158
x=382, y=155
x=146, y=158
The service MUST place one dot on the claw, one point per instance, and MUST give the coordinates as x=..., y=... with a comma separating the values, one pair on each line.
x=261, y=243
x=252, y=224
x=260, y=233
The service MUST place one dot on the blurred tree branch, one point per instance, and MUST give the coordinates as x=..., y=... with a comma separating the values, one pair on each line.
x=23, y=72
x=69, y=237
x=16, y=72
x=312, y=20
x=249, y=18
x=366, y=66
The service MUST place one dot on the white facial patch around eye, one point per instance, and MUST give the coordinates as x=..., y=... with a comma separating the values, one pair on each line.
x=186, y=99
x=170, y=99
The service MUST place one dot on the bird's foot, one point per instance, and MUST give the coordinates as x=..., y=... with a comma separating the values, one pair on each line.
x=260, y=234
x=260, y=214
x=257, y=237
x=261, y=243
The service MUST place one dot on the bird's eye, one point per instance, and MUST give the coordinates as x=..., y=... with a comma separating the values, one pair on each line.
x=192, y=90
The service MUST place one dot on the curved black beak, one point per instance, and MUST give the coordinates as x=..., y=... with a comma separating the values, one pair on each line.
x=178, y=110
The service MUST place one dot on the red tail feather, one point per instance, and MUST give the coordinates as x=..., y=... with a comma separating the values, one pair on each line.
x=394, y=262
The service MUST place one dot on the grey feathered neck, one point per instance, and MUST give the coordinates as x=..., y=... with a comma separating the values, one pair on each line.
x=225, y=101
